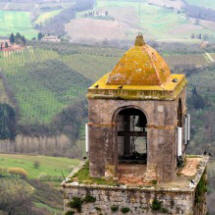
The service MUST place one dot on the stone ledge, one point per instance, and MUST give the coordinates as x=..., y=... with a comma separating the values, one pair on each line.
x=163, y=187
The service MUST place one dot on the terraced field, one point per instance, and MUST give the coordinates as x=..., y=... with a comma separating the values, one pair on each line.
x=45, y=81
x=42, y=84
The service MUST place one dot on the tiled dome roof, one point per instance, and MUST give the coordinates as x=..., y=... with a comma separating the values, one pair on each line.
x=140, y=65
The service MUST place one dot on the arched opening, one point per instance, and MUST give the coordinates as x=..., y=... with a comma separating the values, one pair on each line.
x=131, y=136
x=179, y=113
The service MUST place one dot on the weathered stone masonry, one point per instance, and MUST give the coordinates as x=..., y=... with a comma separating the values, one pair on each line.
x=138, y=132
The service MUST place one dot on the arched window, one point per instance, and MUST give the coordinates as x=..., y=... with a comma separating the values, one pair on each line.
x=132, y=136
x=179, y=113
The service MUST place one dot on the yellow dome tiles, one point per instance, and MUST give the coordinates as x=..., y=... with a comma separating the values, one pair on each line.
x=140, y=74
x=141, y=65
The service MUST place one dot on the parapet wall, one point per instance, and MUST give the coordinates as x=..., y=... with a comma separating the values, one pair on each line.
x=186, y=195
x=107, y=200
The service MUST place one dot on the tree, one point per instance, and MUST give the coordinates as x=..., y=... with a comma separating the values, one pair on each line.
x=7, y=122
x=39, y=36
x=12, y=38
x=6, y=45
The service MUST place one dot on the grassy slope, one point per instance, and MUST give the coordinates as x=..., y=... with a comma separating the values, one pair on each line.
x=44, y=196
x=52, y=166
x=42, y=84
x=46, y=16
x=16, y=21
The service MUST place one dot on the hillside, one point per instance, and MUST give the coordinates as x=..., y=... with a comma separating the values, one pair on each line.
x=49, y=81
x=98, y=21
x=31, y=184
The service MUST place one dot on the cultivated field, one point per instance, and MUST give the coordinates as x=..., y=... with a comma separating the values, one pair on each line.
x=16, y=21
x=42, y=84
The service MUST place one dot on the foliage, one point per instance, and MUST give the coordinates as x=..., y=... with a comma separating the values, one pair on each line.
x=201, y=189
x=114, y=208
x=48, y=90
x=36, y=164
x=69, y=213
x=76, y=203
x=15, y=195
x=125, y=210
x=156, y=205
x=18, y=172
x=89, y=199
x=7, y=122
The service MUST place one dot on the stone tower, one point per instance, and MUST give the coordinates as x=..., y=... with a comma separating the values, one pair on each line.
x=138, y=131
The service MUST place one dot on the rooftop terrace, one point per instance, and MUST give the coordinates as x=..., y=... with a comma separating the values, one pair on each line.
x=186, y=180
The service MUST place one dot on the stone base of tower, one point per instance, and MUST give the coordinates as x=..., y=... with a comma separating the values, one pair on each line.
x=185, y=195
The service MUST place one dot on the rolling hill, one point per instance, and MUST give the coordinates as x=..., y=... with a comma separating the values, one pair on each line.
x=99, y=21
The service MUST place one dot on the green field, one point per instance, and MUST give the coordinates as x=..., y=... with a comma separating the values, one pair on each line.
x=158, y=23
x=16, y=21
x=42, y=84
x=50, y=166
x=46, y=16
x=45, y=81
x=40, y=189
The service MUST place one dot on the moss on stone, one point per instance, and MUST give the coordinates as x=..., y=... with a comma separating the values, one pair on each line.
x=69, y=213
x=76, y=203
x=201, y=189
x=125, y=210
x=89, y=199
x=156, y=205
x=83, y=177
x=114, y=208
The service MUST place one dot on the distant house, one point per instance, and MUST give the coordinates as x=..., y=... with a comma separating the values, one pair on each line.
x=50, y=38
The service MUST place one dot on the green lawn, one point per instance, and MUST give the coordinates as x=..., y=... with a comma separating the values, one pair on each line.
x=16, y=21
x=50, y=166
x=46, y=16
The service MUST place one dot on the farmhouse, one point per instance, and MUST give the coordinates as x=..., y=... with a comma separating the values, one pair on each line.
x=51, y=38
x=137, y=136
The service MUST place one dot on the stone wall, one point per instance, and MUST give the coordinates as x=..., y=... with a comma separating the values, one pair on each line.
x=137, y=201
x=161, y=134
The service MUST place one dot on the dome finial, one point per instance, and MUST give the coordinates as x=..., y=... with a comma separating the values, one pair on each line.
x=139, y=40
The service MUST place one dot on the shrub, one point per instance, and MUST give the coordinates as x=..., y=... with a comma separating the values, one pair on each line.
x=69, y=213
x=3, y=172
x=114, y=208
x=18, y=172
x=154, y=182
x=89, y=199
x=156, y=205
x=76, y=203
x=36, y=164
x=125, y=210
x=46, y=177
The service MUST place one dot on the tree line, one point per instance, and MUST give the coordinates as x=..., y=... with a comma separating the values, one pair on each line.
x=17, y=38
